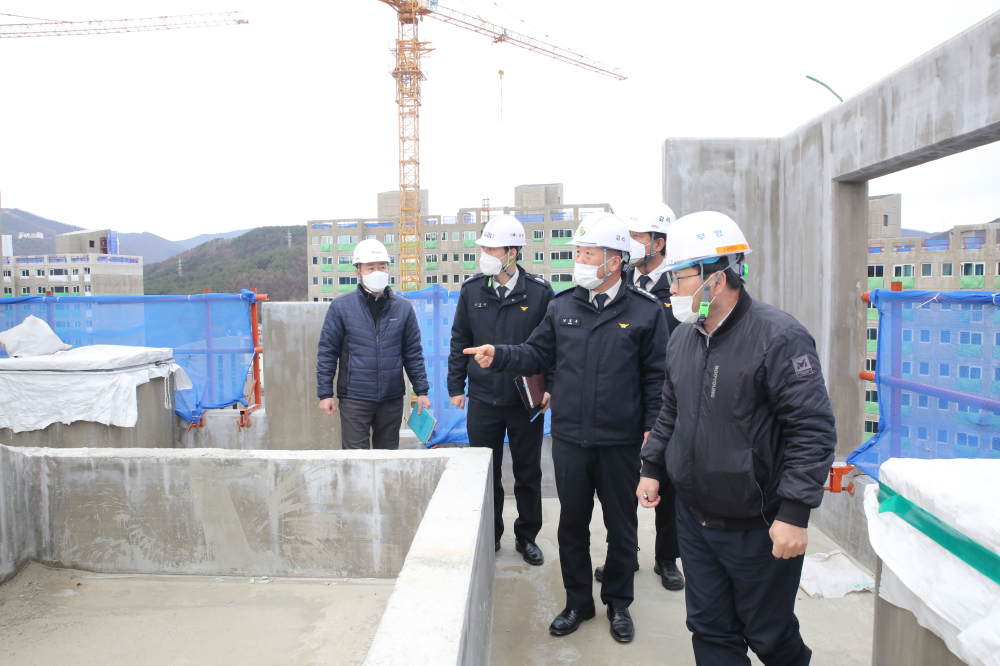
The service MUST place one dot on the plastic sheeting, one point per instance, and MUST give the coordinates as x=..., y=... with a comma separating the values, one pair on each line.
x=435, y=308
x=209, y=334
x=95, y=383
x=937, y=376
x=946, y=595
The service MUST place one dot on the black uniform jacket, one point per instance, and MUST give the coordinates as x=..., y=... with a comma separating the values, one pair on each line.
x=662, y=292
x=482, y=319
x=746, y=432
x=608, y=365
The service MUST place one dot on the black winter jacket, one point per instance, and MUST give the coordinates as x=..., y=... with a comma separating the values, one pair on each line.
x=746, y=432
x=662, y=292
x=608, y=365
x=481, y=319
x=371, y=354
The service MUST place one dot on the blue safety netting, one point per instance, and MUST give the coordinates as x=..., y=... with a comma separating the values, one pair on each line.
x=435, y=308
x=937, y=375
x=209, y=333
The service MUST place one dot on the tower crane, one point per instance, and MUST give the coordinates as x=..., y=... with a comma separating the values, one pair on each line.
x=409, y=50
x=68, y=28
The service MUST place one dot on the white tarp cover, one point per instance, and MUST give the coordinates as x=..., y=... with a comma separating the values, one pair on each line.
x=32, y=337
x=92, y=383
x=946, y=595
x=833, y=575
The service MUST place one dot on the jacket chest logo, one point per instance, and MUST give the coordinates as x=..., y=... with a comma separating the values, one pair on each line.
x=666, y=305
x=524, y=308
x=480, y=305
x=623, y=325
x=568, y=321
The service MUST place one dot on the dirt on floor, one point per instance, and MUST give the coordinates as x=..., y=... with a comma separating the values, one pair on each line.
x=63, y=616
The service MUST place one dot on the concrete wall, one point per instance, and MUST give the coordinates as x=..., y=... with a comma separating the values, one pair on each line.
x=216, y=512
x=802, y=199
x=154, y=427
x=842, y=517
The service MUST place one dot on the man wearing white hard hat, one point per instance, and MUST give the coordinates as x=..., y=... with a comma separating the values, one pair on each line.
x=648, y=230
x=606, y=340
x=746, y=436
x=503, y=304
x=372, y=335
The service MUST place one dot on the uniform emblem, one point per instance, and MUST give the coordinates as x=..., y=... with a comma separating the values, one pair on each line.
x=480, y=305
x=623, y=325
x=524, y=308
x=567, y=321
x=666, y=305
x=802, y=366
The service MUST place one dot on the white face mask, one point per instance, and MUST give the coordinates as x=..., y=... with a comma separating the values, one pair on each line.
x=637, y=252
x=375, y=282
x=681, y=307
x=490, y=265
x=586, y=276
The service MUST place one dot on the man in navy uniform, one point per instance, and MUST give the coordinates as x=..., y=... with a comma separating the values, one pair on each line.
x=502, y=305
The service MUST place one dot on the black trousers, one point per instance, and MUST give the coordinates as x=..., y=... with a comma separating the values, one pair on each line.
x=613, y=472
x=487, y=425
x=361, y=419
x=666, y=524
x=739, y=595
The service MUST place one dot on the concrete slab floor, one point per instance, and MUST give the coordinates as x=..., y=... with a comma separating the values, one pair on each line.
x=527, y=598
x=53, y=616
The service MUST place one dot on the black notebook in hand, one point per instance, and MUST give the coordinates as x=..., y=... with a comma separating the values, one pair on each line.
x=532, y=390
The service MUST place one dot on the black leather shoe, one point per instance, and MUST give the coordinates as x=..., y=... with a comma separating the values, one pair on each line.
x=599, y=571
x=569, y=620
x=498, y=547
x=532, y=553
x=622, y=629
x=671, y=578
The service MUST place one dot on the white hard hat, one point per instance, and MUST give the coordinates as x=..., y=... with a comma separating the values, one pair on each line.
x=603, y=230
x=698, y=237
x=503, y=231
x=654, y=220
x=370, y=251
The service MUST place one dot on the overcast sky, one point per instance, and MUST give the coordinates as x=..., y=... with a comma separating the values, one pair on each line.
x=292, y=117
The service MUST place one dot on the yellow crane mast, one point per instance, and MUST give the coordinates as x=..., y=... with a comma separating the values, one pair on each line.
x=409, y=50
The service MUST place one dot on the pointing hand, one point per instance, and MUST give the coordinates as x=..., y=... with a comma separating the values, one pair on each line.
x=484, y=354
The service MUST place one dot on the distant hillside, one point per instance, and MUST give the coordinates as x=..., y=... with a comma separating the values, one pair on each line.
x=259, y=259
x=15, y=221
x=150, y=247
x=195, y=241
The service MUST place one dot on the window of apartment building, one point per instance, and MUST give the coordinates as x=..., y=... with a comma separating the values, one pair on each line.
x=969, y=372
x=454, y=278
x=885, y=220
x=315, y=241
x=907, y=335
x=454, y=235
x=327, y=281
x=870, y=364
x=8, y=291
x=469, y=235
x=344, y=280
x=969, y=338
x=432, y=279
x=561, y=277
x=370, y=238
x=41, y=290
x=926, y=270
x=327, y=240
x=538, y=256
x=430, y=236
x=464, y=278
x=907, y=367
x=902, y=270
x=944, y=370
x=925, y=335
x=537, y=234
x=873, y=334
x=904, y=399
x=922, y=401
x=871, y=426
x=40, y=272
x=998, y=268
x=924, y=368
x=342, y=259
x=86, y=271
x=6, y=273
x=561, y=233
x=76, y=271
x=86, y=290
x=389, y=238
x=921, y=433
x=977, y=311
x=556, y=256
x=316, y=300
x=91, y=243
x=392, y=260
x=454, y=256
x=315, y=280
x=347, y=239
x=444, y=257
x=25, y=291
x=945, y=337
x=25, y=272
x=876, y=271
x=871, y=395
x=970, y=268
x=430, y=258
x=469, y=256
x=947, y=269
x=315, y=261
x=444, y=279
x=392, y=279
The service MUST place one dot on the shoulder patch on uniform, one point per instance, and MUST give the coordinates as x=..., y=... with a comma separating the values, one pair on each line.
x=538, y=278
x=643, y=292
x=802, y=366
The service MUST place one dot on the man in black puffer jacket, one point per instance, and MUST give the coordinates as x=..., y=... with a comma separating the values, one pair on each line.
x=372, y=334
x=746, y=434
